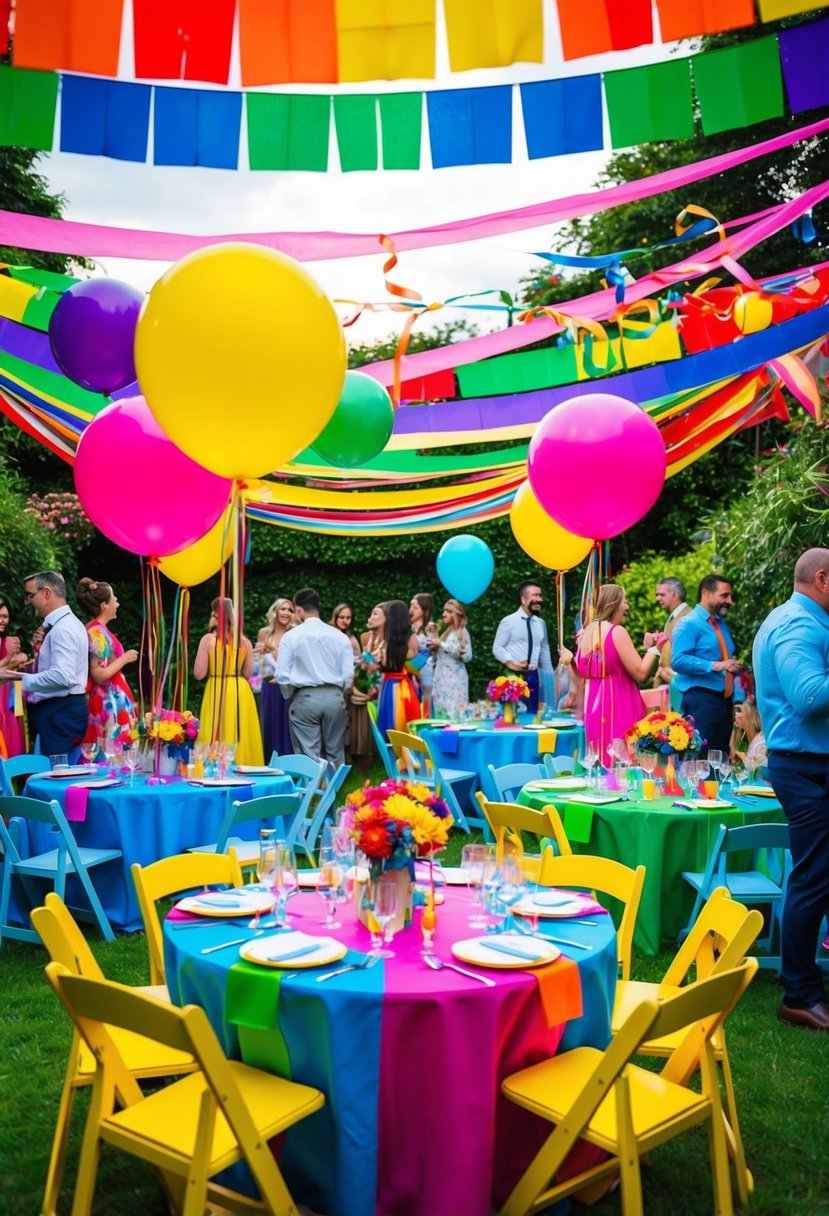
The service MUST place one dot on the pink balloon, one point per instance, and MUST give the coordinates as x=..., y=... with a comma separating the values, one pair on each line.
x=596, y=464
x=138, y=488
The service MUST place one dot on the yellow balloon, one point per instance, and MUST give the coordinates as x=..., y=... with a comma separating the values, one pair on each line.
x=204, y=557
x=752, y=312
x=240, y=357
x=541, y=538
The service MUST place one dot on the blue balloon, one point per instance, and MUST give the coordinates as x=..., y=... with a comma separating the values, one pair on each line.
x=465, y=566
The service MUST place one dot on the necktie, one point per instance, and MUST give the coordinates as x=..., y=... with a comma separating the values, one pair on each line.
x=529, y=640
x=729, y=678
x=46, y=629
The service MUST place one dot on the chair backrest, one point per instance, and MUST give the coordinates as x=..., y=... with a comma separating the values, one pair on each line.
x=63, y=939
x=20, y=766
x=657, y=698
x=37, y=811
x=384, y=751
x=311, y=829
x=769, y=844
x=304, y=770
x=509, y=779
x=559, y=766
x=270, y=807
x=719, y=939
x=413, y=755
x=510, y=818
x=170, y=876
x=608, y=877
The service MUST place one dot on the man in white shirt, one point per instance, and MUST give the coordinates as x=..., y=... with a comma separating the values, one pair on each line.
x=315, y=670
x=521, y=642
x=670, y=596
x=57, y=690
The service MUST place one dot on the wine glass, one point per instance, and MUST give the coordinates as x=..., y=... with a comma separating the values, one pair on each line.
x=740, y=775
x=725, y=770
x=473, y=860
x=230, y=755
x=133, y=761
x=89, y=750
x=590, y=759
x=385, y=910
x=109, y=749
x=331, y=885
x=715, y=760
x=687, y=776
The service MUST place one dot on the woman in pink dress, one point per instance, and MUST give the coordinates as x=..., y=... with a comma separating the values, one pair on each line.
x=611, y=670
x=12, y=739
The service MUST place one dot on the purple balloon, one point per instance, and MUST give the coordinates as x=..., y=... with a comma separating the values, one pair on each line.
x=596, y=464
x=92, y=331
x=162, y=500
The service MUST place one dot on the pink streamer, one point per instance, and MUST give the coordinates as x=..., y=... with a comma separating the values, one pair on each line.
x=599, y=304
x=100, y=240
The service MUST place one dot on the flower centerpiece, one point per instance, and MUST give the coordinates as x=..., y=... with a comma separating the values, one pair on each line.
x=393, y=824
x=508, y=690
x=171, y=734
x=667, y=734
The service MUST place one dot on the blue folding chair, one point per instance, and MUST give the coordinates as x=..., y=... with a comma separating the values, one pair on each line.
x=384, y=751
x=558, y=766
x=763, y=883
x=309, y=829
x=508, y=780
x=284, y=808
x=20, y=766
x=418, y=762
x=67, y=859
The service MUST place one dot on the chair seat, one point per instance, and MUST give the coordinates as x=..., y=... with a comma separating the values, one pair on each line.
x=458, y=774
x=744, y=886
x=43, y=864
x=246, y=850
x=143, y=1057
x=551, y=1088
x=168, y=1119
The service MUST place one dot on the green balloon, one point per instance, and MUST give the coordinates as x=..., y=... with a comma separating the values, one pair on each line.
x=360, y=426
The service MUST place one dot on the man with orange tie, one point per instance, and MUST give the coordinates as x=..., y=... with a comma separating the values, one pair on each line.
x=703, y=658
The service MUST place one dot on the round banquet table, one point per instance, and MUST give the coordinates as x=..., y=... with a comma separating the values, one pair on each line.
x=666, y=839
x=410, y=1060
x=475, y=745
x=146, y=822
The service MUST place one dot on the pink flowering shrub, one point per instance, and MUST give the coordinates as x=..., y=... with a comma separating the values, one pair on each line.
x=61, y=512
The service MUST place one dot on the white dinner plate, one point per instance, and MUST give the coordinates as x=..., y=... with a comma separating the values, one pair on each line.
x=453, y=876
x=220, y=781
x=757, y=791
x=595, y=799
x=227, y=903
x=711, y=804
x=484, y=952
x=258, y=770
x=557, y=783
x=71, y=770
x=103, y=783
x=280, y=950
x=553, y=905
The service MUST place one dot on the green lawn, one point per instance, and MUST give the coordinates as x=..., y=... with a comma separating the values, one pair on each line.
x=781, y=1077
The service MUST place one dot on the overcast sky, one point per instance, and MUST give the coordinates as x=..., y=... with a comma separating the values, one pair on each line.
x=196, y=200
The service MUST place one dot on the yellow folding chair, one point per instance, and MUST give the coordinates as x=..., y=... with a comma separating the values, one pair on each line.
x=170, y=876
x=417, y=763
x=191, y=1129
x=605, y=876
x=627, y=1111
x=719, y=939
x=509, y=819
x=145, y=1059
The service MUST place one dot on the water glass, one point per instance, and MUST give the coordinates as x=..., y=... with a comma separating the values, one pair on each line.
x=331, y=885
x=133, y=761
x=590, y=759
x=59, y=761
x=385, y=910
x=473, y=861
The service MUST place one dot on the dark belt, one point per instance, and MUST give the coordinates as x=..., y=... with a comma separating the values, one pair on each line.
x=821, y=756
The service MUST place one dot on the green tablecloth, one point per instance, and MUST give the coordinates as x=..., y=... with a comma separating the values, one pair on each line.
x=667, y=840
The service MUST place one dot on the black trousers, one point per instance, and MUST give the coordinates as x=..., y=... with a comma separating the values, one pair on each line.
x=59, y=723
x=712, y=714
x=801, y=783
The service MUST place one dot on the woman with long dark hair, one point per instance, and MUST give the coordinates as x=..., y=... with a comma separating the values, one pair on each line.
x=11, y=696
x=399, y=703
x=111, y=705
x=421, y=608
x=228, y=711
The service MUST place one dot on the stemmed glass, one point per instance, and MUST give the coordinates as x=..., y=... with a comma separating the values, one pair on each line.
x=89, y=750
x=687, y=776
x=725, y=770
x=331, y=885
x=109, y=749
x=715, y=760
x=133, y=761
x=284, y=883
x=590, y=759
x=473, y=861
x=740, y=775
x=385, y=910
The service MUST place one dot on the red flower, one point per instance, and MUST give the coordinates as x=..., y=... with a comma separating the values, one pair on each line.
x=375, y=841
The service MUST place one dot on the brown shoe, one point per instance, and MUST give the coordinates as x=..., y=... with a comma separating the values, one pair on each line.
x=814, y=1018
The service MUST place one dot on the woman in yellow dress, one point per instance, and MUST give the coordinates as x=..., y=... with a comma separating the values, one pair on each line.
x=228, y=711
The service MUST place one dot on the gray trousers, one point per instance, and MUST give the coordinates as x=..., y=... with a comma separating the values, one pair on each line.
x=318, y=719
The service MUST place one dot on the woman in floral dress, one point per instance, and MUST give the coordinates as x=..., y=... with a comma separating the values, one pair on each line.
x=452, y=650
x=111, y=705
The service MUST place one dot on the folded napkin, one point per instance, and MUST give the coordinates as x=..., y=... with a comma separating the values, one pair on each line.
x=501, y=947
x=298, y=953
x=219, y=901
x=547, y=741
x=578, y=903
x=559, y=987
x=447, y=740
x=77, y=797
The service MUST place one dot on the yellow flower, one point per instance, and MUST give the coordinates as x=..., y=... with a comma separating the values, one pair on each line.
x=420, y=792
x=678, y=738
x=427, y=828
x=400, y=807
x=357, y=798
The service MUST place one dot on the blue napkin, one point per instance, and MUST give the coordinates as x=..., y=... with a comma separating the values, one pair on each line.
x=218, y=901
x=447, y=741
x=283, y=958
x=503, y=948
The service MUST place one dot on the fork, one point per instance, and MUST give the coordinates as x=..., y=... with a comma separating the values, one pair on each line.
x=367, y=961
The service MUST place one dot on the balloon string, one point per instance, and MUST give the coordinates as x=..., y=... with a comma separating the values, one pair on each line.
x=184, y=660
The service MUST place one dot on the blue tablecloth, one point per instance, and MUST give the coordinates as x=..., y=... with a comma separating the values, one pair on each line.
x=146, y=822
x=488, y=744
x=405, y=1056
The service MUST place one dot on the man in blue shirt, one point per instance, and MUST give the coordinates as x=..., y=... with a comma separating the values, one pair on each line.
x=791, y=668
x=702, y=655
x=521, y=645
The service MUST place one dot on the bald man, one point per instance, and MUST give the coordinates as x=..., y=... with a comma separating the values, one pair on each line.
x=791, y=667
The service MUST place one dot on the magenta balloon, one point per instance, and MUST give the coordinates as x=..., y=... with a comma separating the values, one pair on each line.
x=596, y=464
x=92, y=331
x=138, y=488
